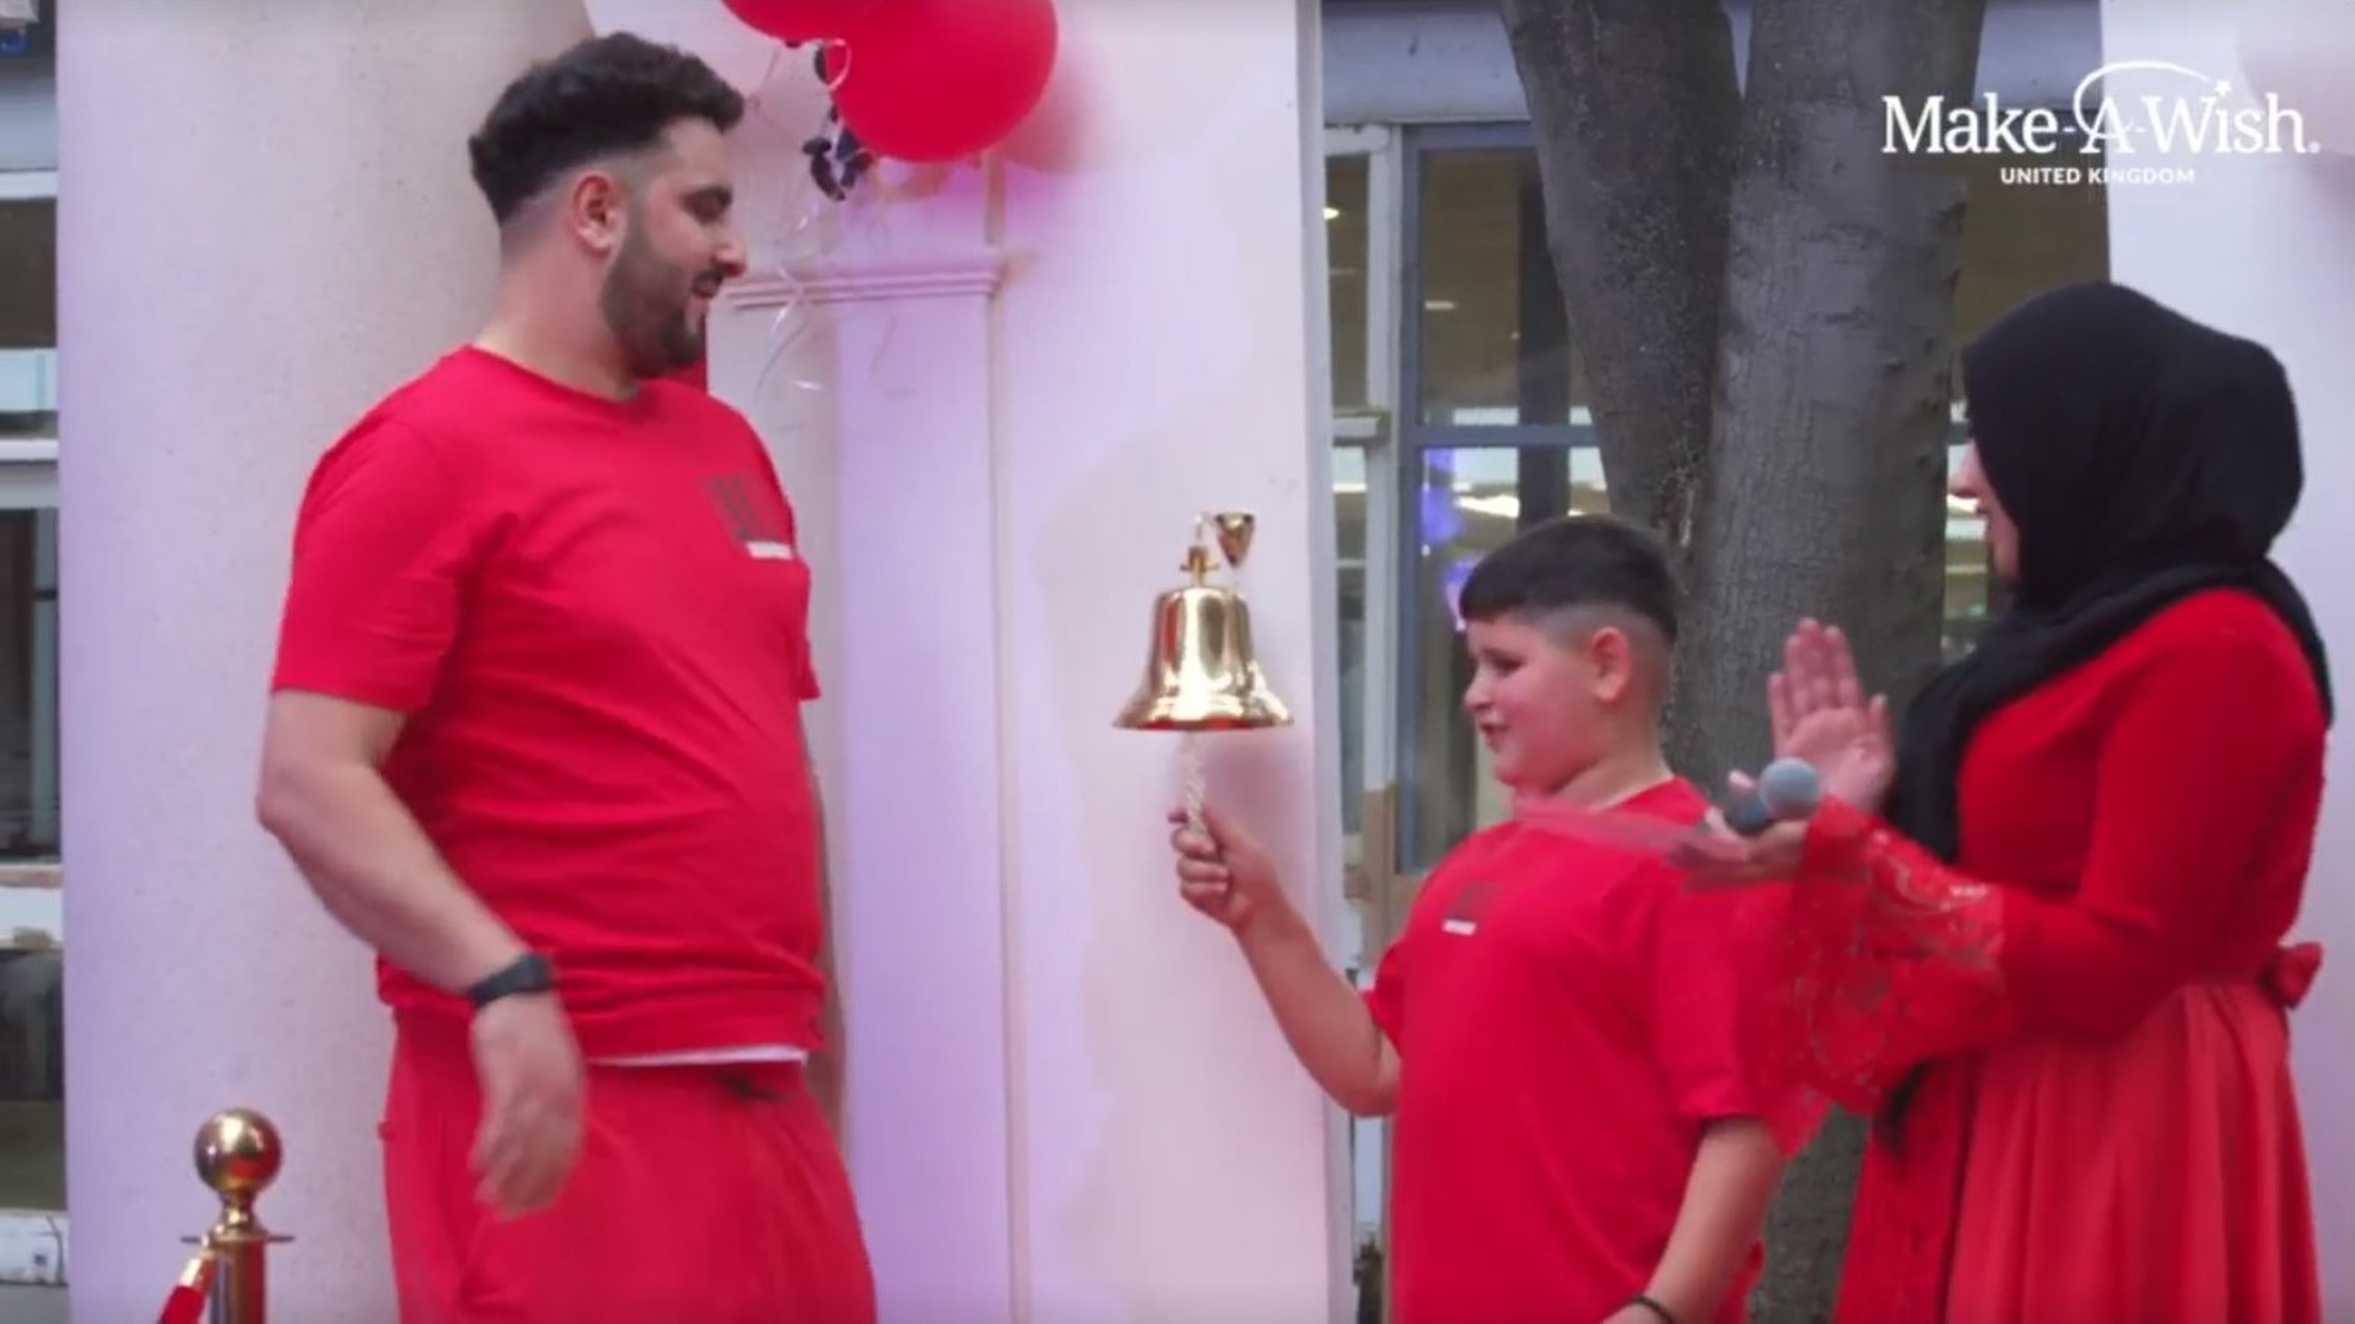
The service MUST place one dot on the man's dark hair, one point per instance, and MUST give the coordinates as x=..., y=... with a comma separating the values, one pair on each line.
x=606, y=96
x=1578, y=561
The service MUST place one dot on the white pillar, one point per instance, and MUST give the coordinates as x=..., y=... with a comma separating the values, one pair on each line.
x=1157, y=362
x=266, y=223
x=2264, y=246
x=1067, y=1101
x=899, y=524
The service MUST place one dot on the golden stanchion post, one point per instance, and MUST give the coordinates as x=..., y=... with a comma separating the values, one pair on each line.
x=237, y=1155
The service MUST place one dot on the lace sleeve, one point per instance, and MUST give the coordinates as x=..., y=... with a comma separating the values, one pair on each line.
x=1886, y=958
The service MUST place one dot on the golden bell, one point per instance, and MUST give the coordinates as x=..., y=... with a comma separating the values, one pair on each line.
x=1200, y=673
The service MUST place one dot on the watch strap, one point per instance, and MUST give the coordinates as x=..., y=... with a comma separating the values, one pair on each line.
x=528, y=973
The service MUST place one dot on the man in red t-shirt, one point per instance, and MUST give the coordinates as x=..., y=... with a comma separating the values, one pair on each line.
x=535, y=736
x=1558, y=1030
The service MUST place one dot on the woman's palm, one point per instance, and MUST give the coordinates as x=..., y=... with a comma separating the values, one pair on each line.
x=1850, y=749
x=1821, y=715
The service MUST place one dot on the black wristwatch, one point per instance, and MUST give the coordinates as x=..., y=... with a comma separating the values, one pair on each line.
x=528, y=973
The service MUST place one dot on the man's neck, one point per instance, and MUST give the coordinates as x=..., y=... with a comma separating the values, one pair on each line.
x=567, y=345
x=1616, y=779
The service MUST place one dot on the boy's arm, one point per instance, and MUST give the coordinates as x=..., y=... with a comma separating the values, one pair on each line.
x=1707, y=964
x=1225, y=875
x=1725, y=1200
x=1323, y=1018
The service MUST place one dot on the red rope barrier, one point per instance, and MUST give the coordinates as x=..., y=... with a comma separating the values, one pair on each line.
x=186, y=1303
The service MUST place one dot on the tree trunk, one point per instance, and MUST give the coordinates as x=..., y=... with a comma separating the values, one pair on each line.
x=1822, y=489
x=1821, y=493
x=1635, y=105
x=1765, y=305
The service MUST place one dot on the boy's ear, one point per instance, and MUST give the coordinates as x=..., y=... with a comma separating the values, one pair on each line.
x=1613, y=656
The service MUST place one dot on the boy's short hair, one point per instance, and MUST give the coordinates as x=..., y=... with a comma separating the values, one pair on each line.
x=605, y=96
x=1575, y=562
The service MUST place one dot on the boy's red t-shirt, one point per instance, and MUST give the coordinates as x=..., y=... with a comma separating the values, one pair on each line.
x=593, y=615
x=1568, y=1020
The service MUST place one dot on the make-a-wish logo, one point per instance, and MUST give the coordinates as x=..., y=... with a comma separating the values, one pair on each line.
x=2205, y=122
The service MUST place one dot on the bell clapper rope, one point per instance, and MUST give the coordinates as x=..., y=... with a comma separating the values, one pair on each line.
x=1190, y=768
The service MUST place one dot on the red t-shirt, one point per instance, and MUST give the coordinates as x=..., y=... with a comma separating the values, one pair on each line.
x=1565, y=1015
x=593, y=613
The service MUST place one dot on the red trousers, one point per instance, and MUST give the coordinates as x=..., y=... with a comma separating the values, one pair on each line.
x=703, y=1195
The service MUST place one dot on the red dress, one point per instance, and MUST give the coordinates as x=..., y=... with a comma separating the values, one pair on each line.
x=2108, y=1129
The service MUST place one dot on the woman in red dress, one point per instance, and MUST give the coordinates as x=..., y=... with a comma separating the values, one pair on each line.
x=2037, y=935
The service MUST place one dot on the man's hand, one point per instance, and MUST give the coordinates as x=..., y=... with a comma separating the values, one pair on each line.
x=531, y=1077
x=1222, y=872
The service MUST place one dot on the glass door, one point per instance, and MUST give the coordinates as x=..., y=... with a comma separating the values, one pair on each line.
x=1361, y=243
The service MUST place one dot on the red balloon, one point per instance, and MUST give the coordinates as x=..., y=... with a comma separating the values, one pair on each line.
x=800, y=20
x=935, y=80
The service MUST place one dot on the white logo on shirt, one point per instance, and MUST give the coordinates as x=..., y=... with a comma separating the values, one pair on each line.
x=764, y=550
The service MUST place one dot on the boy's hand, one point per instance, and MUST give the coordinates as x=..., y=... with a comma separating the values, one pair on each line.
x=1222, y=872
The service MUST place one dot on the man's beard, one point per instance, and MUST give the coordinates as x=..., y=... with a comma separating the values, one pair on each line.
x=645, y=306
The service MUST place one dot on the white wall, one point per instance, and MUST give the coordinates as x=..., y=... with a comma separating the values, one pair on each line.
x=1153, y=362
x=2265, y=246
x=1000, y=398
x=267, y=223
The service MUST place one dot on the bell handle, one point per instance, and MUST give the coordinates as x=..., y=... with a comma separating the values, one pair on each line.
x=1191, y=780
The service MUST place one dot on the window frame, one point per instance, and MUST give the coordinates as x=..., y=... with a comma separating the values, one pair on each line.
x=1417, y=440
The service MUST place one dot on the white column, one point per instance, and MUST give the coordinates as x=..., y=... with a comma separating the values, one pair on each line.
x=1155, y=362
x=2264, y=246
x=899, y=526
x=266, y=223
x=1007, y=393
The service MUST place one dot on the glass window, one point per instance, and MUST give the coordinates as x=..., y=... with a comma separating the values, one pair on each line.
x=32, y=1076
x=28, y=273
x=1471, y=500
x=1349, y=528
x=2019, y=240
x=1492, y=337
x=1348, y=257
x=32, y=1063
x=1969, y=576
x=28, y=685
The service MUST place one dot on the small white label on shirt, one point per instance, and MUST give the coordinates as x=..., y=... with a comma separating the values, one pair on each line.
x=1462, y=928
x=711, y=1057
x=769, y=551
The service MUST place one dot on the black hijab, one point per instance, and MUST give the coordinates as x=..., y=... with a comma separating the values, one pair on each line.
x=2144, y=457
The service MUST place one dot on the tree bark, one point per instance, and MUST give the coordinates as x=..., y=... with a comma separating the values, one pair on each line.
x=1821, y=493
x=1765, y=305
x=1635, y=105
